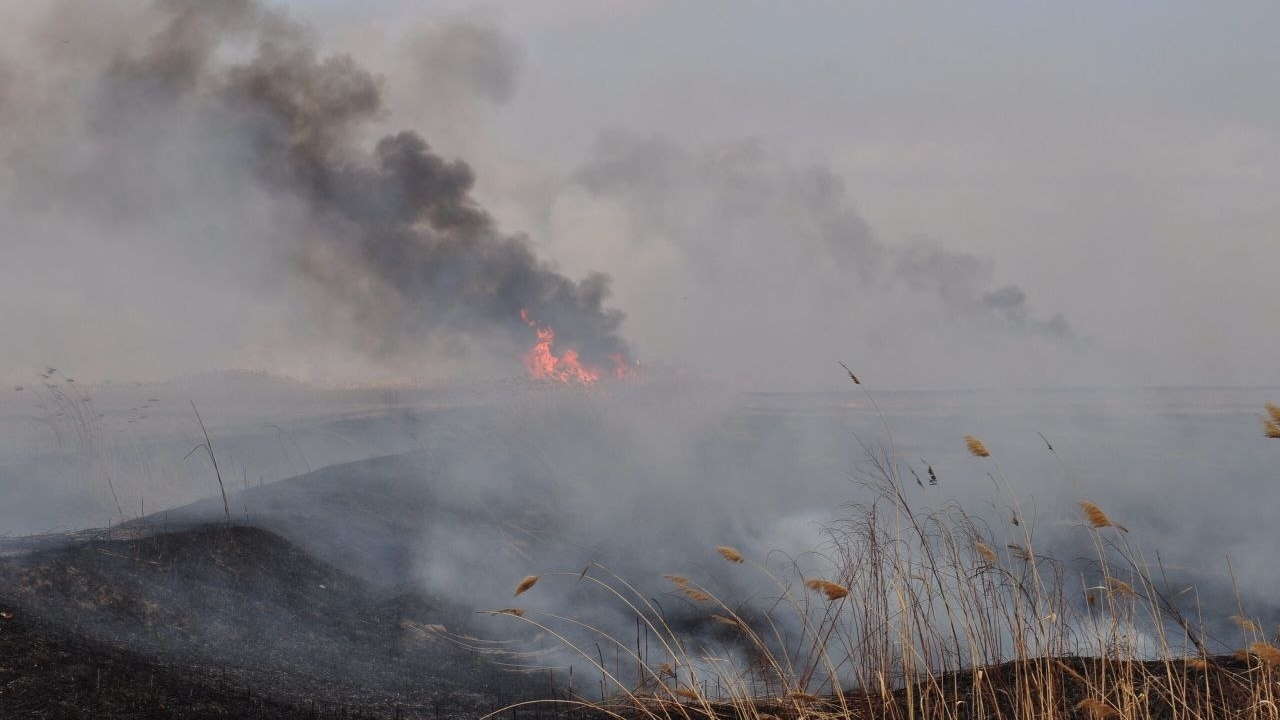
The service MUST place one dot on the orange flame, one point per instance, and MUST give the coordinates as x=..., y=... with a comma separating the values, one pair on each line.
x=543, y=364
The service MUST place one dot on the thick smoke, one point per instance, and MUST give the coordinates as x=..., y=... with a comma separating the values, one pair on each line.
x=397, y=254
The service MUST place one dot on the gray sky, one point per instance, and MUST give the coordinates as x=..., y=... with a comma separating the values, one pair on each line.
x=938, y=195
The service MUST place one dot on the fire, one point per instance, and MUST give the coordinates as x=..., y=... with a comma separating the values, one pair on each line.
x=544, y=364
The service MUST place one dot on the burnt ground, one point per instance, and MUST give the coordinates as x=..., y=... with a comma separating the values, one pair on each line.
x=216, y=621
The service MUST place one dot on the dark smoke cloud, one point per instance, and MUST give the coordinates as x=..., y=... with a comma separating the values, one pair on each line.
x=406, y=244
x=383, y=241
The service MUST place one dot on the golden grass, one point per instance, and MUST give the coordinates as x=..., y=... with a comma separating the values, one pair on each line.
x=1266, y=652
x=1096, y=709
x=986, y=552
x=528, y=582
x=696, y=595
x=1096, y=517
x=1274, y=411
x=1271, y=428
x=927, y=633
x=976, y=448
x=730, y=554
x=833, y=591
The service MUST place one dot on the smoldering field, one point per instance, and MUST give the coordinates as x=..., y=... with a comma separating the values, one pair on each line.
x=190, y=187
x=452, y=495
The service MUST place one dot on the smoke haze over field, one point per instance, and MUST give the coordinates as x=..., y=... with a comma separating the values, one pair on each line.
x=320, y=221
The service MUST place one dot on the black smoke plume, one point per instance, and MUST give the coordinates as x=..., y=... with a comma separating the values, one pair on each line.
x=393, y=235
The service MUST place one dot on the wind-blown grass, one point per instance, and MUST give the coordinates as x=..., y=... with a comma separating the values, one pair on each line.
x=918, y=612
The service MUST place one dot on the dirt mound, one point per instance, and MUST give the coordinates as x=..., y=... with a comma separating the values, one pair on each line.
x=215, y=608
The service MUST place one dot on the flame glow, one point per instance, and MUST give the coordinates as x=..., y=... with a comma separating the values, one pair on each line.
x=543, y=364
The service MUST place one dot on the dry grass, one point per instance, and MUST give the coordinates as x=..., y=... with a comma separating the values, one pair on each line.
x=1271, y=421
x=1271, y=428
x=921, y=621
x=730, y=554
x=833, y=591
x=528, y=582
x=976, y=447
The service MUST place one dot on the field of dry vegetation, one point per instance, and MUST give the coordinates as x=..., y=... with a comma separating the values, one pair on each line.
x=924, y=613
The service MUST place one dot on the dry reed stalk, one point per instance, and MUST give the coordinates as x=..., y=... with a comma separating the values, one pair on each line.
x=1271, y=428
x=695, y=594
x=976, y=448
x=1245, y=623
x=1274, y=411
x=1020, y=552
x=986, y=552
x=528, y=582
x=1116, y=586
x=1070, y=671
x=1098, y=518
x=803, y=697
x=852, y=377
x=1096, y=709
x=730, y=554
x=1266, y=652
x=833, y=591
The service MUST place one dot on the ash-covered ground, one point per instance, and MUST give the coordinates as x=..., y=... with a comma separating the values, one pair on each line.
x=365, y=534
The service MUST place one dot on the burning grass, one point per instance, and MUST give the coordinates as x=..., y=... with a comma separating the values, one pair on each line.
x=915, y=615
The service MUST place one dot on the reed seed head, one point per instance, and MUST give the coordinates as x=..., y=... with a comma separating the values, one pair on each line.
x=1096, y=517
x=1096, y=709
x=1271, y=428
x=528, y=582
x=1116, y=586
x=976, y=448
x=1266, y=652
x=730, y=554
x=676, y=579
x=986, y=552
x=833, y=591
x=1245, y=623
x=695, y=594
x=1274, y=411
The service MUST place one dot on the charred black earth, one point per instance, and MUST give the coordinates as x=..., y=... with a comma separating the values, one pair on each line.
x=217, y=620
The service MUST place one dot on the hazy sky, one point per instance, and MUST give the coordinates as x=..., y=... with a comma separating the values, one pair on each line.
x=939, y=195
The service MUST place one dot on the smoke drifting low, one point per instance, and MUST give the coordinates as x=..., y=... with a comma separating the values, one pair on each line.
x=776, y=257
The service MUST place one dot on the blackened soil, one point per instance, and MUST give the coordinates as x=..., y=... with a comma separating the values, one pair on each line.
x=219, y=621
